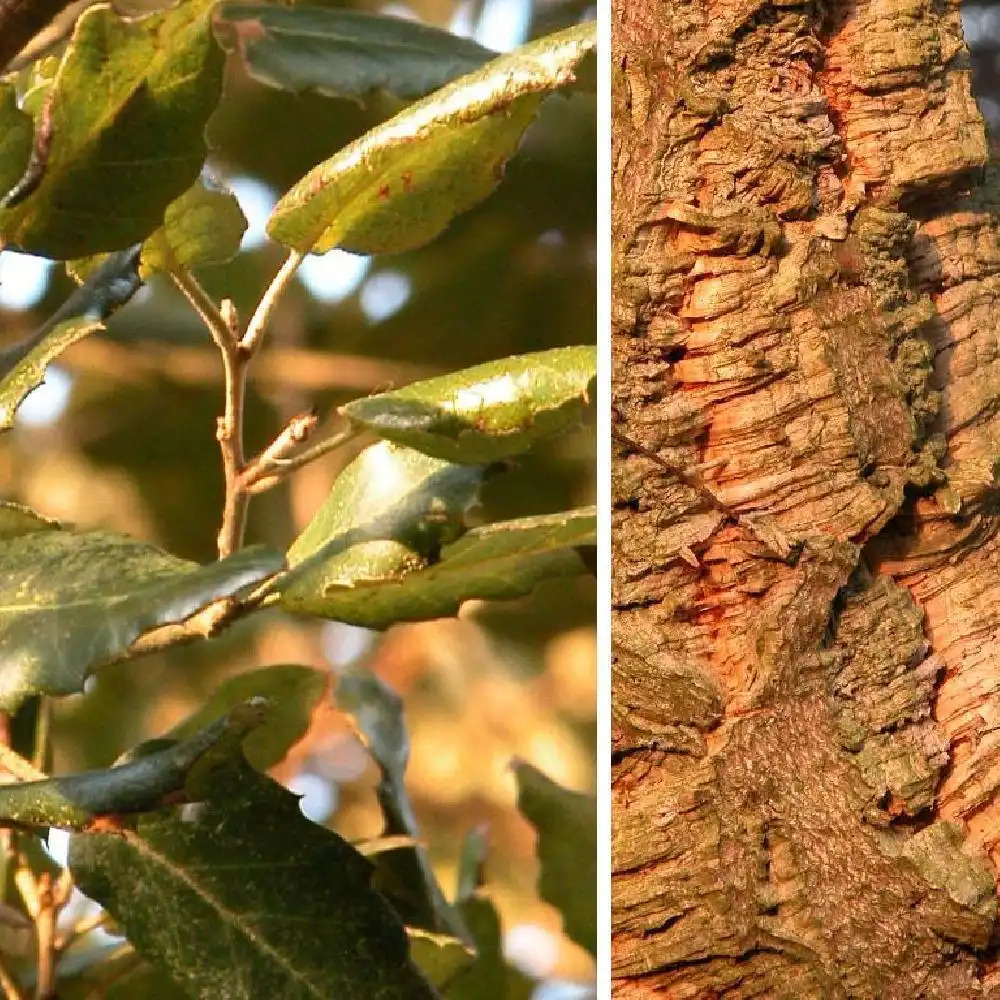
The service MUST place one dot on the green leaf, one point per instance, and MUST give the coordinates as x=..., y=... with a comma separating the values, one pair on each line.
x=399, y=185
x=130, y=104
x=22, y=367
x=566, y=823
x=387, y=514
x=489, y=975
x=438, y=956
x=488, y=412
x=404, y=874
x=292, y=693
x=343, y=53
x=15, y=138
x=72, y=602
x=262, y=903
x=74, y=801
x=141, y=982
x=203, y=226
x=16, y=519
x=470, y=864
x=34, y=82
x=494, y=562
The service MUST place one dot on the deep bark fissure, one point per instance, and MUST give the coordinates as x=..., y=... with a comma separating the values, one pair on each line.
x=807, y=731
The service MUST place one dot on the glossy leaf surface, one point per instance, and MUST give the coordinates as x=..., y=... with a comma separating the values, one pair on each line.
x=488, y=412
x=203, y=226
x=401, y=183
x=494, y=562
x=388, y=514
x=141, y=785
x=72, y=602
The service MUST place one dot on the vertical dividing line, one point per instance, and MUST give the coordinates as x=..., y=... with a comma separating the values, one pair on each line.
x=604, y=55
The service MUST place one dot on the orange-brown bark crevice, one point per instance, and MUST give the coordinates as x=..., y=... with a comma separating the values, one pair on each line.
x=807, y=753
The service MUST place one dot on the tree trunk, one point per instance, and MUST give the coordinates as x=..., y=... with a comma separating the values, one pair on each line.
x=806, y=273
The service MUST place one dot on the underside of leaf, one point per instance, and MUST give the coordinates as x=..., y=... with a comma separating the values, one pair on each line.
x=344, y=53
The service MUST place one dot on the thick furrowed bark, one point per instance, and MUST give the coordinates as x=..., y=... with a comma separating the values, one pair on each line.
x=806, y=271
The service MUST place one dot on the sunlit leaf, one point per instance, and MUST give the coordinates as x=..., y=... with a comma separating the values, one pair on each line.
x=485, y=413
x=400, y=184
x=263, y=903
x=566, y=823
x=75, y=800
x=494, y=562
x=72, y=602
x=292, y=693
x=22, y=366
x=15, y=138
x=438, y=956
x=34, y=82
x=203, y=226
x=388, y=514
x=343, y=53
x=130, y=103
x=16, y=519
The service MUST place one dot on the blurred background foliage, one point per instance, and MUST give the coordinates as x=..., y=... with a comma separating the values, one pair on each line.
x=122, y=436
x=981, y=24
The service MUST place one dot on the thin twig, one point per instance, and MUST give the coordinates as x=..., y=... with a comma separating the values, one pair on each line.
x=45, y=929
x=22, y=769
x=25, y=880
x=11, y=989
x=27, y=885
x=42, y=899
x=43, y=734
x=205, y=307
x=9, y=985
x=57, y=31
x=205, y=624
x=257, y=326
x=229, y=431
x=20, y=20
x=243, y=479
x=63, y=890
x=52, y=899
x=285, y=467
x=275, y=454
x=81, y=929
